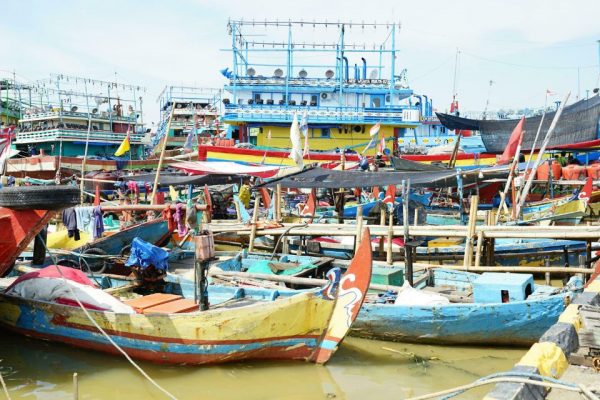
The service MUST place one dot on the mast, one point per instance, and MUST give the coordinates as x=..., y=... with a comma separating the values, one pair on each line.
x=454, y=103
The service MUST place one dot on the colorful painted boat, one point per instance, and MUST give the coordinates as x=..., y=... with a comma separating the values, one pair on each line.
x=17, y=230
x=45, y=167
x=504, y=309
x=116, y=244
x=24, y=212
x=264, y=330
x=280, y=157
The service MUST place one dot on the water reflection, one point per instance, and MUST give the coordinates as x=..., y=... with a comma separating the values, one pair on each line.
x=360, y=369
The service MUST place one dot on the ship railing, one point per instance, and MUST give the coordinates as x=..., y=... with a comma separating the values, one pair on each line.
x=103, y=115
x=74, y=135
x=350, y=114
x=332, y=82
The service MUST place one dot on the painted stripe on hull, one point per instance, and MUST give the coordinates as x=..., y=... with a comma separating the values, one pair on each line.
x=272, y=352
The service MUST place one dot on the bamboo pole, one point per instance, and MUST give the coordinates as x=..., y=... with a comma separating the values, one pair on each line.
x=359, y=225
x=390, y=237
x=162, y=156
x=521, y=269
x=254, y=221
x=479, y=247
x=148, y=207
x=75, y=386
x=288, y=279
x=468, y=258
x=523, y=193
x=84, y=161
x=278, y=203
x=381, y=238
x=237, y=211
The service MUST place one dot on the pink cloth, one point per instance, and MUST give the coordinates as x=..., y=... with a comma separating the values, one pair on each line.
x=51, y=271
x=179, y=218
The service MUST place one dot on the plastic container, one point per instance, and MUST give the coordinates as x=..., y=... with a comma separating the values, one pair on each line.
x=543, y=171
x=205, y=246
x=593, y=171
x=573, y=172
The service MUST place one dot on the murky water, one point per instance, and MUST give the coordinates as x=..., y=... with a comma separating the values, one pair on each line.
x=361, y=369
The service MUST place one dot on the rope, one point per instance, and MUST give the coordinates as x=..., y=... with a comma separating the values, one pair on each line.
x=514, y=378
x=110, y=340
x=4, y=387
x=282, y=235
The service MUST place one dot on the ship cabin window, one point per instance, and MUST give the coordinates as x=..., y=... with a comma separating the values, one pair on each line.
x=257, y=97
x=325, y=133
x=376, y=101
x=314, y=100
x=504, y=296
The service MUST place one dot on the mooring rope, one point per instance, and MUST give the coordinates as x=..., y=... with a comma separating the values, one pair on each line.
x=514, y=377
x=4, y=387
x=110, y=340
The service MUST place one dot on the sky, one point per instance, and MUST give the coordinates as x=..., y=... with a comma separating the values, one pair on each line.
x=524, y=47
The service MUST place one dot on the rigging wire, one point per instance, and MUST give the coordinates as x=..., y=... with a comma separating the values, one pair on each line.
x=528, y=66
x=102, y=331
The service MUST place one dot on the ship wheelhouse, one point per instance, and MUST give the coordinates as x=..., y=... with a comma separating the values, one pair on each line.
x=341, y=102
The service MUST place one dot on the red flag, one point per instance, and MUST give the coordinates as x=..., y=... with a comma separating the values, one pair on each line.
x=390, y=195
x=513, y=143
x=310, y=206
x=587, y=190
x=264, y=193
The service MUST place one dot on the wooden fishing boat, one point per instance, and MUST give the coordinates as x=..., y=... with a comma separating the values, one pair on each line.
x=45, y=167
x=240, y=330
x=447, y=307
x=577, y=128
x=116, y=244
x=488, y=309
x=24, y=212
x=280, y=157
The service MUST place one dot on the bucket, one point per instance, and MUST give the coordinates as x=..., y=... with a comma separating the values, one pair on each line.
x=543, y=171
x=573, y=172
x=593, y=171
x=205, y=245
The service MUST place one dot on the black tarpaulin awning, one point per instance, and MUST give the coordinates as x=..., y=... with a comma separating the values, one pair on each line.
x=331, y=179
x=180, y=179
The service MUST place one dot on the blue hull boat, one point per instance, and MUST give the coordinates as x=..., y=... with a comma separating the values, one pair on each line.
x=484, y=321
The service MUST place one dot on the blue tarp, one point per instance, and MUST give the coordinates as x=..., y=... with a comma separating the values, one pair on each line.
x=144, y=254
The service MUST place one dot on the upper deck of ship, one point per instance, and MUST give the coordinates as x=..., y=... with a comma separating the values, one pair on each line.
x=76, y=109
x=271, y=80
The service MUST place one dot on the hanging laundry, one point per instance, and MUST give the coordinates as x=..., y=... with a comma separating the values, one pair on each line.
x=98, y=222
x=85, y=219
x=69, y=219
x=179, y=218
x=168, y=215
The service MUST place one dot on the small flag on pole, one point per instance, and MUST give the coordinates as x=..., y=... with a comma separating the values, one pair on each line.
x=304, y=130
x=304, y=125
x=125, y=145
x=189, y=139
x=382, y=144
x=375, y=129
